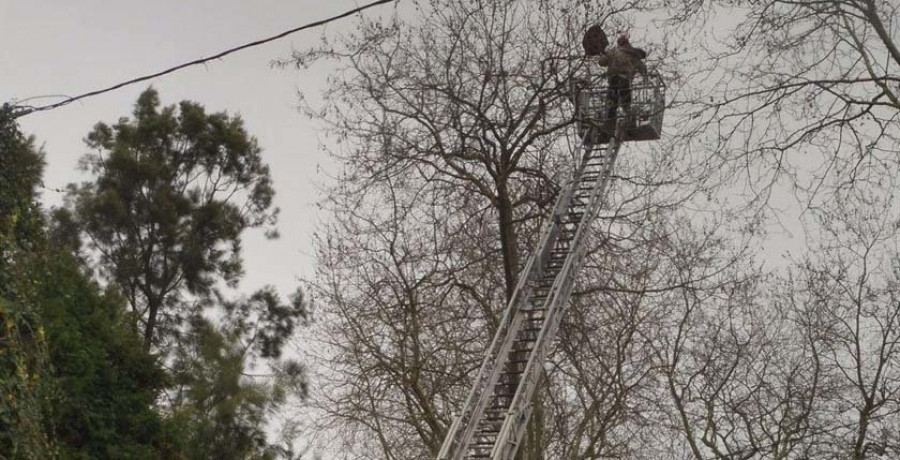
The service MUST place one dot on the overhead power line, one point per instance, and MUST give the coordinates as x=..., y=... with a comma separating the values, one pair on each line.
x=26, y=110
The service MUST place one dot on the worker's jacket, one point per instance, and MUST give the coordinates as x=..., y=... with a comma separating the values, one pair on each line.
x=623, y=60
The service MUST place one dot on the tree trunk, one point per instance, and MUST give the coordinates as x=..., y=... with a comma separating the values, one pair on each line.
x=507, y=238
x=152, y=310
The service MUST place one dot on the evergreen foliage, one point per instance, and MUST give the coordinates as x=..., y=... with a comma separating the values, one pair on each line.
x=76, y=383
x=135, y=370
x=25, y=391
x=107, y=382
x=173, y=190
x=219, y=407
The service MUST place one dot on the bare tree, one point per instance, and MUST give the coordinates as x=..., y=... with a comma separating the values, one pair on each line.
x=848, y=295
x=805, y=92
x=678, y=343
x=456, y=131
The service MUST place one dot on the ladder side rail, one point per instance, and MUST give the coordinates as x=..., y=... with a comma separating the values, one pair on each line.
x=563, y=201
x=454, y=424
x=514, y=425
x=486, y=385
x=552, y=227
x=463, y=426
x=456, y=440
x=512, y=433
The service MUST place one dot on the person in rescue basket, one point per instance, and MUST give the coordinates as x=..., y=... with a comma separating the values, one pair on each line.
x=622, y=63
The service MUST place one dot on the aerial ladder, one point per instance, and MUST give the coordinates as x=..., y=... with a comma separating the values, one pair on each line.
x=492, y=422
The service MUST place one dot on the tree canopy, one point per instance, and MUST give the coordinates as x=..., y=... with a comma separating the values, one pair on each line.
x=685, y=336
x=84, y=374
x=174, y=189
x=76, y=382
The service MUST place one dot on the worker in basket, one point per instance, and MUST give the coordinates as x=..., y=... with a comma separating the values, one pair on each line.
x=622, y=62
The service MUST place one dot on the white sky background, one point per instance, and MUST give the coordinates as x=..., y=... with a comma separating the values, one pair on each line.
x=71, y=47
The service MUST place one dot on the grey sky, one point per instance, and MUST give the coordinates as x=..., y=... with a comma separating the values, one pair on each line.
x=69, y=47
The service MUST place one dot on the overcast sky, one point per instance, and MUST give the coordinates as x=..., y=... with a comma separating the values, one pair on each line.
x=70, y=47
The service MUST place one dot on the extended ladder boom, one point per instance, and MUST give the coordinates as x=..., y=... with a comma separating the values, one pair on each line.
x=493, y=419
x=496, y=412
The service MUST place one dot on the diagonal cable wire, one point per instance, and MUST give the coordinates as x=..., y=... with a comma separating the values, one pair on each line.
x=26, y=110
